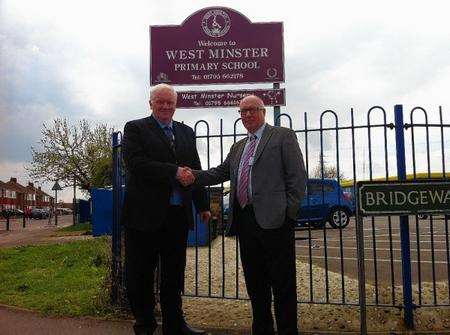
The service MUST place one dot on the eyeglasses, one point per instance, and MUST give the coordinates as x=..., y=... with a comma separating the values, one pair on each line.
x=251, y=110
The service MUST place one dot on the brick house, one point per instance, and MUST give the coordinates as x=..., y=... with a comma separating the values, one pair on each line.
x=6, y=197
x=40, y=199
x=16, y=196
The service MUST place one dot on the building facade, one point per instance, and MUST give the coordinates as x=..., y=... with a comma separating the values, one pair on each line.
x=13, y=195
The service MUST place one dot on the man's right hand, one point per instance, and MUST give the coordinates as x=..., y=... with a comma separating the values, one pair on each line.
x=185, y=176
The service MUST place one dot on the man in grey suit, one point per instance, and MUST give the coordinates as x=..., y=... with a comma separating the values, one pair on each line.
x=268, y=182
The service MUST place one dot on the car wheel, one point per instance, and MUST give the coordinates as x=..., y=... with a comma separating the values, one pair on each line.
x=337, y=222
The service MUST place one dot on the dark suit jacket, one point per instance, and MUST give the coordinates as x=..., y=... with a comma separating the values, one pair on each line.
x=151, y=173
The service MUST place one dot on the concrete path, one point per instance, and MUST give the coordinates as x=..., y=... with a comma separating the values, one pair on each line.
x=35, y=232
x=14, y=321
x=22, y=322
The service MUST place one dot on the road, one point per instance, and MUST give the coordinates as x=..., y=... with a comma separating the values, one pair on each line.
x=429, y=243
x=35, y=231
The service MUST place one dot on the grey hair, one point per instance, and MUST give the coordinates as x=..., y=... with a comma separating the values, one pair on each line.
x=161, y=87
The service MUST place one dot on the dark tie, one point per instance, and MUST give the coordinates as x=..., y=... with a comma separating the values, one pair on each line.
x=169, y=133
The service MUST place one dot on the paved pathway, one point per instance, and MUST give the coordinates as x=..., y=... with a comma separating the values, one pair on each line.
x=15, y=321
x=35, y=231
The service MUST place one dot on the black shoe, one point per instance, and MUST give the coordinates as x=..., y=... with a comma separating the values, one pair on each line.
x=144, y=329
x=187, y=330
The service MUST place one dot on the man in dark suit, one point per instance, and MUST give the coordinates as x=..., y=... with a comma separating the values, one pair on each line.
x=267, y=180
x=157, y=211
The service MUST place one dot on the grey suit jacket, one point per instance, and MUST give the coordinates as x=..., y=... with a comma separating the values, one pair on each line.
x=278, y=177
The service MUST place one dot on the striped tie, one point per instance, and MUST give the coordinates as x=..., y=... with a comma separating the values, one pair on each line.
x=243, y=179
x=169, y=133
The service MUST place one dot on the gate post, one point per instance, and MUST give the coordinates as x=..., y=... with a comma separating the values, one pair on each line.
x=404, y=220
x=276, y=109
x=116, y=233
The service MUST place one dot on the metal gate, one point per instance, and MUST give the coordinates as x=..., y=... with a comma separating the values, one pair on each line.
x=359, y=147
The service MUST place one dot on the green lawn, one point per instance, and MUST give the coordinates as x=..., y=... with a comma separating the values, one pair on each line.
x=59, y=279
x=77, y=227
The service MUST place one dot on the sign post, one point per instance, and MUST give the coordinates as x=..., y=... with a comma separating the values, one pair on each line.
x=56, y=188
x=361, y=273
x=384, y=198
x=404, y=221
x=276, y=109
x=218, y=45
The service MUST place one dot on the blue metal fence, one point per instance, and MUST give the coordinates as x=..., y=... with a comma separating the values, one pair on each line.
x=401, y=260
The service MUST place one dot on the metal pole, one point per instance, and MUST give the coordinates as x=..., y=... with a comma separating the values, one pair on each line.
x=56, y=208
x=74, y=201
x=7, y=222
x=115, y=224
x=23, y=218
x=361, y=271
x=404, y=221
x=276, y=109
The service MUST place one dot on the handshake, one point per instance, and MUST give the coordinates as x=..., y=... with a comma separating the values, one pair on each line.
x=185, y=176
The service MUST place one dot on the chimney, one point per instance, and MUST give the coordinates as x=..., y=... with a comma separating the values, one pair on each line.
x=39, y=188
x=30, y=184
x=13, y=180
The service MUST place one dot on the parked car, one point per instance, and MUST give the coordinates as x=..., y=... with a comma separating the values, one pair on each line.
x=325, y=201
x=39, y=213
x=316, y=208
x=11, y=212
x=64, y=211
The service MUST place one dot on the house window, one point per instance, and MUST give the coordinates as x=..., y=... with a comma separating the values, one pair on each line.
x=10, y=194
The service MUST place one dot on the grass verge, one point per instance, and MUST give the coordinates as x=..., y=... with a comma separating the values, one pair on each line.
x=78, y=229
x=59, y=279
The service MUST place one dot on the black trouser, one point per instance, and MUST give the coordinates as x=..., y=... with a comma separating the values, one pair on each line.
x=141, y=256
x=268, y=261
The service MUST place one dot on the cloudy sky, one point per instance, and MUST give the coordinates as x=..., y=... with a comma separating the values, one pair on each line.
x=90, y=59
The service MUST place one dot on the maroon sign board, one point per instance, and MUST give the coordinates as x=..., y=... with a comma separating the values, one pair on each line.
x=208, y=99
x=217, y=45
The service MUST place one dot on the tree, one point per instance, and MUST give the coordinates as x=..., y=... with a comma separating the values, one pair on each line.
x=329, y=171
x=80, y=153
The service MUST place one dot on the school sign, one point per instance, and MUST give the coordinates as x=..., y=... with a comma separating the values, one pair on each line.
x=217, y=45
x=397, y=198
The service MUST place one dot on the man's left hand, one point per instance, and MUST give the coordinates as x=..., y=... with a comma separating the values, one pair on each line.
x=205, y=216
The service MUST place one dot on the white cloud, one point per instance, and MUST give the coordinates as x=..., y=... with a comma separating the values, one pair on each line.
x=90, y=59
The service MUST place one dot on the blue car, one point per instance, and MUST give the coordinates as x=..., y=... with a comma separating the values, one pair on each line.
x=324, y=201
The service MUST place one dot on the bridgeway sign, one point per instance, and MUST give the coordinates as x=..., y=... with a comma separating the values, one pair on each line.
x=394, y=198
